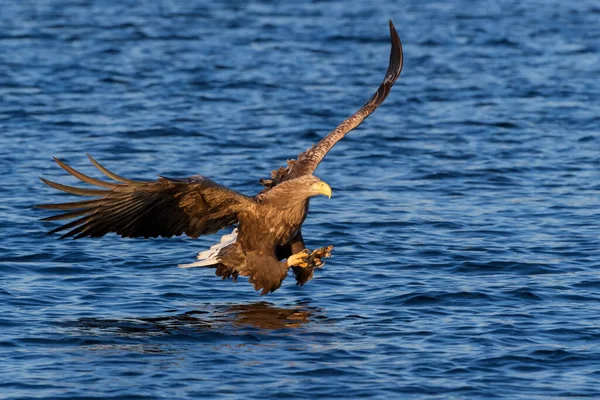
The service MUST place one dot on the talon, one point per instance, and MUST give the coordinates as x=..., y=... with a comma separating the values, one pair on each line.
x=299, y=259
x=306, y=258
x=316, y=257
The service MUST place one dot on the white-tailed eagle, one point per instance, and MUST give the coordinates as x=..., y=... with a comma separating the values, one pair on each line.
x=268, y=238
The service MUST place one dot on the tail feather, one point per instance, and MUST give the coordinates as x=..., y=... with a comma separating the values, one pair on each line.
x=210, y=257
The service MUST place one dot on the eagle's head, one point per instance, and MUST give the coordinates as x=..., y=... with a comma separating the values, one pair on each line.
x=296, y=191
x=311, y=186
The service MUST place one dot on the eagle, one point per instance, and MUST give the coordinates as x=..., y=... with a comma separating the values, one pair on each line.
x=267, y=240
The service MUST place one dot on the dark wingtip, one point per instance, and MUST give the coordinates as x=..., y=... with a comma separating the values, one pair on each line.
x=396, y=54
x=47, y=182
x=108, y=173
x=393, y=71
x=74, y=190
x=41, y=206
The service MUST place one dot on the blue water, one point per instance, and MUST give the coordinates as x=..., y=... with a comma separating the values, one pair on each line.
x=464, y=211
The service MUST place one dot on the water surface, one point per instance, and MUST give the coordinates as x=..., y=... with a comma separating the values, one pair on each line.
x=464, y=214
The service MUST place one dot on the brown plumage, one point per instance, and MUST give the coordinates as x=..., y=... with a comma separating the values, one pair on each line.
x=268, y=224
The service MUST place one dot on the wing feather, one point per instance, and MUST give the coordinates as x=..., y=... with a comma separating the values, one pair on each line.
x=75, y=190
x=71, y=206
x=166, y=207
x=83, y=177
x=308, y=161
x=67, y=215
x=106, y=172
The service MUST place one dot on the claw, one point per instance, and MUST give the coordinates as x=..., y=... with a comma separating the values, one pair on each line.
x=299, y=259
x=316, y=257
x=306, y=258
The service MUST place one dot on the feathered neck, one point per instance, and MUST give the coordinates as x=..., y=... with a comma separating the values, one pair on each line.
x=288, y=194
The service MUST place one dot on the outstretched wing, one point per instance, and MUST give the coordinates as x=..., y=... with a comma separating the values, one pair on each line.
x=166, y=207
x=308, y=161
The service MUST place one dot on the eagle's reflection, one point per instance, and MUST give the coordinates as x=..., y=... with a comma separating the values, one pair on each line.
x=224, y=318
x=263, y=315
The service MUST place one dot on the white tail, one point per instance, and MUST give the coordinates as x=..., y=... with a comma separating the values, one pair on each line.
x=210, y=256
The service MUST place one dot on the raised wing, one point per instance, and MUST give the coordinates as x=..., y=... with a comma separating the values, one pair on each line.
x=166, y=207
x=308, y=161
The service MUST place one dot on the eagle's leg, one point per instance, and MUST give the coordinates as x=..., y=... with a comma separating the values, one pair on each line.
x=297, y=243
x=307, y=258
x=299, y=259
x=304, y=263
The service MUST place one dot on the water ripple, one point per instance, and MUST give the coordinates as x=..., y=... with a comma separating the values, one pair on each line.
x=464, y=212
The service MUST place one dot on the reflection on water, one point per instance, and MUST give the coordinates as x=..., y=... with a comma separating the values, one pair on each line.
x=220, y=318
x=263, y=315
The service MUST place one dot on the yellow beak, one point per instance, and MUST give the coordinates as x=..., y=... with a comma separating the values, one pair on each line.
x=325, y=189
